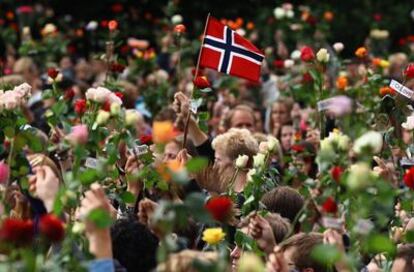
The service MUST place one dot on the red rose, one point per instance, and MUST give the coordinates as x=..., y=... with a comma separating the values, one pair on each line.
x=24, y=9
x=117, y=8
x=124, y=49
x=52, y=228
x=117, y=68
x=329, y=206
x=336, y=173
x=279, y=64
x=69, y=94
x=409, y=71
x=106, y=106
x=17, y=231
x=52, y=72
x=220, y=207
x=298, y=148
x=80, y=106
x=377, y=17
x=201, y=82
x=146, y=139
x=104, y=23
x=306, y=54
x=307, y=78
x=179, y=29
x=409, y=178
x=120, y=95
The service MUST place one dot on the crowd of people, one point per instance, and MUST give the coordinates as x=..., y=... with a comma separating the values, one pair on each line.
x=127, y=156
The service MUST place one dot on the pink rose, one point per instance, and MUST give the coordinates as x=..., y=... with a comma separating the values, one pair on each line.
x=78, y=135
x=4, y=172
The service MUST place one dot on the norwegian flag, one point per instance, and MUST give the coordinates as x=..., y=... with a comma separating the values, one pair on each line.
x=226, y=51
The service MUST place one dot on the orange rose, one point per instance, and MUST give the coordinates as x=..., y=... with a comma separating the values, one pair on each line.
x=341, y=83
x=376, y=61
x=250, y=26
x=328, y=16
x=163, y=132
x=361, y=52
x=386, y=90
x=165, y=170
x=112, y=25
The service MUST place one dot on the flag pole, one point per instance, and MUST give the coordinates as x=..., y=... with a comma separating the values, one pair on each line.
x=187, y=121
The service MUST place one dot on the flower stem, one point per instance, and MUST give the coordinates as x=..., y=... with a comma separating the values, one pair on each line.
x=9, y=160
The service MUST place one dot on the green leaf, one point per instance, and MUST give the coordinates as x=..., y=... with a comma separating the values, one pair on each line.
x=409, y=236
x=9, y=132
x=127, y=197
x=196, y=164
x=88, y=176
x=326, y=254
x=380, y=244
x=100, y=218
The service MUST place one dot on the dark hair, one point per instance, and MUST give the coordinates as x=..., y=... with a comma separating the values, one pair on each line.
x=406, y=252
x=285, y=201
x=133, y=245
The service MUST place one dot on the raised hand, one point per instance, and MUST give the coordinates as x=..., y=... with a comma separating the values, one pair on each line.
x=44, y=184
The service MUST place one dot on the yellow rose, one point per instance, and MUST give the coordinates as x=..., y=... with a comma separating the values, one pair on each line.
x=213, y=236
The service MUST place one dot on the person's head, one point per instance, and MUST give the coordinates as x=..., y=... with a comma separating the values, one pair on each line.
x=228, y=146
x=285, y=201
x=184, y=261
x=27, y=68
x=241, y=116
x=133, y=245
x=286, y=136
x=297, y=252
x=280, y=226
x=404, y=261
x=172, y=148
x=281, y=112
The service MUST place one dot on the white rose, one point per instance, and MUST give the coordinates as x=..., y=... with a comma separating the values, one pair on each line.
x=272, y=143
x=258, y=160
x=371, y=139
x=263, y=147
x=290, y=14
x=91, y=26
x=409, y=123
x=114, y=99
x=322, y=55
x=78, y=227
x=295, y=55
x=241, y=32
x=343, y=142
x=250, y=174
x=289, y=63
x=268, y=50
x=115, y=108
x=338, y=47
x=131, y=117
x=49, y=29
x=326, y=145
x=279, y=13
x=360, y=176
x=102, y=117
x=241, y=161
x=176, y=19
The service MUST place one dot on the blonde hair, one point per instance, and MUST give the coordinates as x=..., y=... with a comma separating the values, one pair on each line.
x=236, y=142
x=184, y=260
x=41, y=159
x=24, y=64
